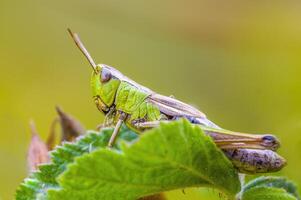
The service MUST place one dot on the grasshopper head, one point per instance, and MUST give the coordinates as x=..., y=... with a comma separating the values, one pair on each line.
x=104, y=87
x=104, y=79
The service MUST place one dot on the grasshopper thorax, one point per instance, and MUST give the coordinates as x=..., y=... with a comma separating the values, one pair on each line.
x=104, y=87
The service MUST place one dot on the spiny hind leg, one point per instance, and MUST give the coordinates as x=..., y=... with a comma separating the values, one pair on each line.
x=224, y=144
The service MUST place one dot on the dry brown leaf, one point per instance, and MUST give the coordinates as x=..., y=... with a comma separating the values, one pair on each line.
x=37, y=151
x=71, y=128
x=51, y=139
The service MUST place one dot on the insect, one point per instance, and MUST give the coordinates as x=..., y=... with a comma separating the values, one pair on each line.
x=122, y=100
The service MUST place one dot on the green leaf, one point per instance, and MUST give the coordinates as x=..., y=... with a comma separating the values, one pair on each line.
x=173, y=156
x=39, y=182
x=277, y=188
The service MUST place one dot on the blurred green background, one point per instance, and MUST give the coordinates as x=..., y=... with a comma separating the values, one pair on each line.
x=238, y=61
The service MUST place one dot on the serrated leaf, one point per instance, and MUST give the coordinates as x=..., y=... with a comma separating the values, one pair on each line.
x=277, y=188
x=37, y=185
x=175, y=155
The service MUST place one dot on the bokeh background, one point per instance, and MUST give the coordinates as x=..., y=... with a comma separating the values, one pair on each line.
x=238, y=61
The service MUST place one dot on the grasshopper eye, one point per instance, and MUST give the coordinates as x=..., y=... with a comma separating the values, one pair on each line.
x=105, y=75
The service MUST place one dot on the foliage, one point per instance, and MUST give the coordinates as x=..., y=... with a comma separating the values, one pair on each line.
x=173, y=156
x=270, y=188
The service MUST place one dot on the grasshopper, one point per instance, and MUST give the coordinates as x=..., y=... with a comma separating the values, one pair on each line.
x=122, y=100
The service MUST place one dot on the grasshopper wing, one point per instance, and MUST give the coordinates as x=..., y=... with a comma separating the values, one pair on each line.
x=167, y=105
x=174, y=107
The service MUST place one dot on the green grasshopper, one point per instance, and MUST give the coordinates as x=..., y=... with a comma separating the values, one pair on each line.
x=122, y=100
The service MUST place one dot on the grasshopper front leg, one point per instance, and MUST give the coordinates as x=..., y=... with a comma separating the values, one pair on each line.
x=108, y=120
x=121, y=119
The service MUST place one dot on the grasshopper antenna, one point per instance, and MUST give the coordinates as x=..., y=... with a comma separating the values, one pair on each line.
x=82, y=48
